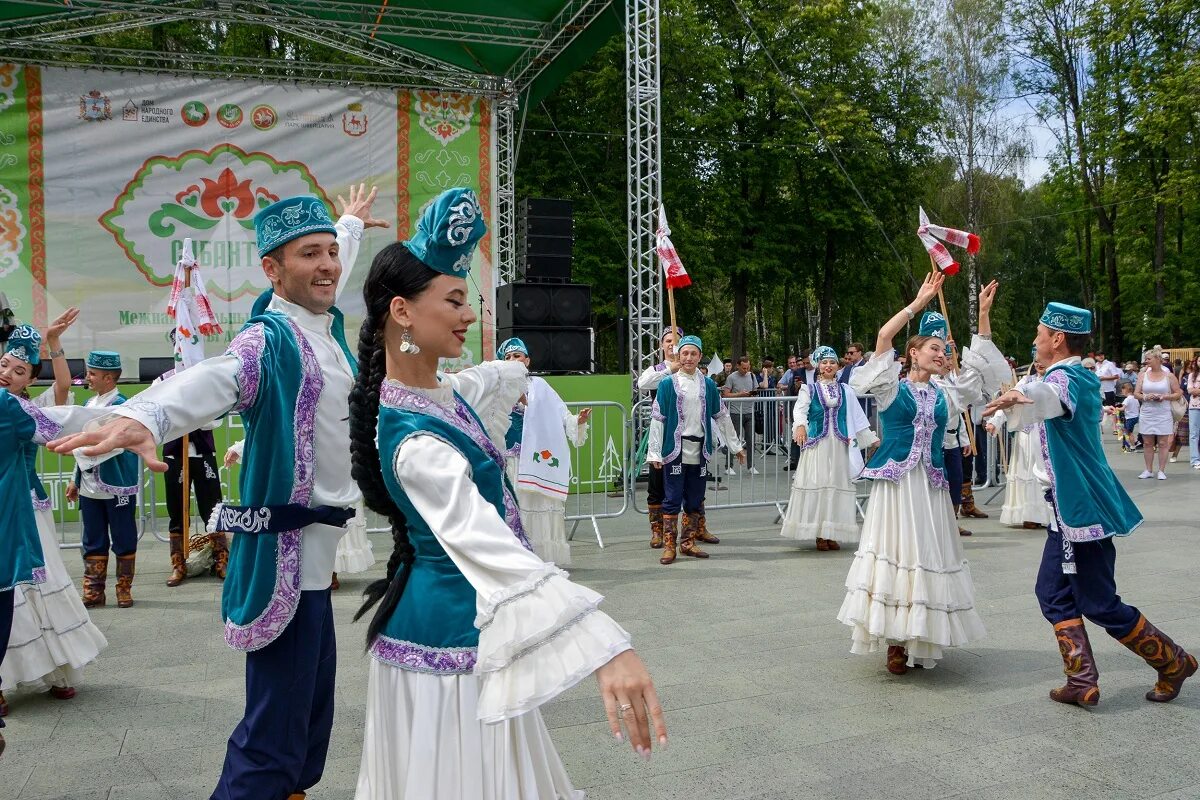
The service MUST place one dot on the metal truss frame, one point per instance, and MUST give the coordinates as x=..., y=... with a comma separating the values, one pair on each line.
x=506, y=190
x=644, y=150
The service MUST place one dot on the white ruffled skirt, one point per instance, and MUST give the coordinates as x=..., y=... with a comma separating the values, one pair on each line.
x=1024, y=498
x=545, y=526
x=822, y=502
x=53, y=637
x=423, y=742
x=354, y=552
x=909, y=583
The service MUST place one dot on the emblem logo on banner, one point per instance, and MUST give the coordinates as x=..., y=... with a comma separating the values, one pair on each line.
x=445, y=115
x=354, y=121
x=194, y=113
x=263, y=117
x=230, y=115
x=95, y=107
x=211, y=197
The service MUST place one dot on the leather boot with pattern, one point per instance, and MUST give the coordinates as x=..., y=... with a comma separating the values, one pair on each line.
x=897, y=660
x=702, y=534
x=969, y=509
x=670, y=534
x=125, y=569
x=220, y=553
x=687, y=541
x=95, y=573
x=1079, y=665
x=656, y=527
x=178, y=565
x=1174, y=664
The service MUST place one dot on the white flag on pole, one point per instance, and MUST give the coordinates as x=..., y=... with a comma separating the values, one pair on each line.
x=716, y=365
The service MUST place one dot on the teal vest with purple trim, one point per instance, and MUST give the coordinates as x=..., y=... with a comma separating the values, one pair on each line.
x=432, y=628
x=667, y=410
x=21, y=559
x=1089, y=502
x=119, y=475
x=822, y=419
x=279, y=384
x=913, y=428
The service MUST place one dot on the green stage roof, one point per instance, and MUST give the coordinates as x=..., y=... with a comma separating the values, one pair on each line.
x=496, y=46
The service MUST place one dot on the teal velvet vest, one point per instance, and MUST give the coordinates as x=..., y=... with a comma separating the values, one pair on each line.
x=279, y=383
x=666, y=409
x=822, y=419
x=118, y=475
x=21, y=559
x=1089, y=501
x=914, y=426
x=432, y=628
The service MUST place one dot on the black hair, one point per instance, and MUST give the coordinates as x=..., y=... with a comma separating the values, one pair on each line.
x=1077, y=343
x=395, y=272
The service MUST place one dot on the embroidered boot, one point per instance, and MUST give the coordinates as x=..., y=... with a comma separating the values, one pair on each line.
x=334, y=583
x=125, y=565
x=1173, y=663
x=178, y=566
x=220, y=553
x=1079, y=665
x=961, y=530
x=670, y=532
x=897, y=660
x=95, y=573
x=656, y=527
x=969, y=509
x=687, y=542
x=702, y=534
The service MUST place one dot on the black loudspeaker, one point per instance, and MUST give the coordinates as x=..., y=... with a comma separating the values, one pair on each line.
x=543, y=304
x=151, y=368
x=545, y=207
x=75, y=366
x=545, y=246
x=547, y=269
x=554, y=349
x=545, y=239
x=545, y=226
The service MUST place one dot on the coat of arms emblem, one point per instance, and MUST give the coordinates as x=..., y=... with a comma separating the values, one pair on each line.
x=354, y=121
x=95, y=107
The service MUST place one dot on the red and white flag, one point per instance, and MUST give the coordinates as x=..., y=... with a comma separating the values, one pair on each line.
x=205, y=320
x=930, y=234
x=677, y=276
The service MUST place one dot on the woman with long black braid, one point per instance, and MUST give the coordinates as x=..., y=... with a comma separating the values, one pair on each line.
x=472, y=632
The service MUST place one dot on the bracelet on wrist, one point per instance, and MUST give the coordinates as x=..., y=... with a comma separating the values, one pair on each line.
x=57, y=353
x=910, y=312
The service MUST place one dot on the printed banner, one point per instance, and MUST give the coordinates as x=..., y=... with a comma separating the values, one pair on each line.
x=104, y=174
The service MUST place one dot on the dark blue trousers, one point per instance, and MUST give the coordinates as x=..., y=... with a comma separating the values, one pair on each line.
x=1090, y=592
x=109, y=524
x=279, y=746
x=6, y=615
x=953, y=461
x=683, y=486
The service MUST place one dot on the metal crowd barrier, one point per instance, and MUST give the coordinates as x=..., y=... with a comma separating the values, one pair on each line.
x=603, y=456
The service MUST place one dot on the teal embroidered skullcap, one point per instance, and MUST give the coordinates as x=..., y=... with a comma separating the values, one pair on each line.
x=513, y=345
x=676, y=330
x=823, y=352
x=694, y=341
x=25, y=343
x=291, y=218
x=1065, y=318
x=933, y=324
x=104, y=359
x=448, y=231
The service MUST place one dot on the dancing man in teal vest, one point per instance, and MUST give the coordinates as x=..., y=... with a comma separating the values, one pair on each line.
x=1077, y=577
x=685, y=407
x=288, y=373
x=107, y=497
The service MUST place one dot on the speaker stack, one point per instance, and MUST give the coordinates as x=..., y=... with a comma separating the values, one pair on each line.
x=544, y=309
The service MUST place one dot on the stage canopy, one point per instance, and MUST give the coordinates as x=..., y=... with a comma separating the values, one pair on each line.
x=505, y=47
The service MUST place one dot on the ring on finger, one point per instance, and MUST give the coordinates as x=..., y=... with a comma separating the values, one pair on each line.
x=626, y=707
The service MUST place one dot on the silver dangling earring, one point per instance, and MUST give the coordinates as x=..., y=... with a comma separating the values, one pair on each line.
x=407, y=345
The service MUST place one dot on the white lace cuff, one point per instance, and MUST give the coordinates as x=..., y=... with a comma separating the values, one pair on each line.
x=512, y=381
x=539, y=638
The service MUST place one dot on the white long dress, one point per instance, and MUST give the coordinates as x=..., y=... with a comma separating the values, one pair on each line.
x=53, y=637
x=354, y=552
x=542, y=515
x=822, y=501
x=910, y=584
x=1024, y=497
x=480, y=735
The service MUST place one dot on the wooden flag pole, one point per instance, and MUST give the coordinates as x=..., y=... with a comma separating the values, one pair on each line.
x=186, y=488
x=954, y=357
x=671, y=306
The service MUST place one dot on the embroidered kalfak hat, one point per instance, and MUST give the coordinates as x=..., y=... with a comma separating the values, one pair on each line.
x=448, y=231
x=25, y=343
x=513, y=345
x=288, y=219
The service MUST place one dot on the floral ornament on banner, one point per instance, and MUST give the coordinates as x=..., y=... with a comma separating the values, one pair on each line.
x=677, y=276
x=203, y=318
x=929, y=235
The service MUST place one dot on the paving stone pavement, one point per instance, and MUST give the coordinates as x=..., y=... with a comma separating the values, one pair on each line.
x=763, y=699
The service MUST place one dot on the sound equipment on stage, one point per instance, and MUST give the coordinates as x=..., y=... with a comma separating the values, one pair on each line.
x=151, y=368
x=75, y=366
x=545, y=239
x=554, y=349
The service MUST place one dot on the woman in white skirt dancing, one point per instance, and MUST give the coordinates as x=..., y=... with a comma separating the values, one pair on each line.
x=830, y=427
x=909, y=588
x=53, y=637
x=543, y=488
x=473, y=632
x=1025, y=503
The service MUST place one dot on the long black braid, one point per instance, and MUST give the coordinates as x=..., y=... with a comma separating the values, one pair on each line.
x=394, y=272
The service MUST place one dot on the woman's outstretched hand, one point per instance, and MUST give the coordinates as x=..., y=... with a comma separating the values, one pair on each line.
x=629, y=698
x=929, y=289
